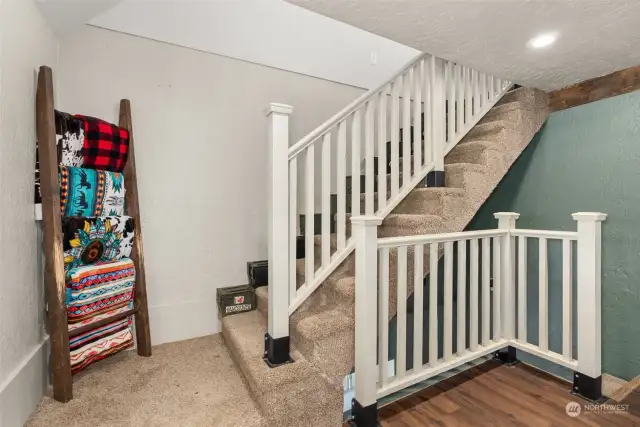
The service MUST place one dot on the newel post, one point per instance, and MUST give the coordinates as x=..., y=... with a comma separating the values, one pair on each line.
x=364, y=404
x=507, y=222
x=277, y=336
x=587, y=381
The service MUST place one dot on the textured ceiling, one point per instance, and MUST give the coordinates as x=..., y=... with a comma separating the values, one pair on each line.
x=596, y=36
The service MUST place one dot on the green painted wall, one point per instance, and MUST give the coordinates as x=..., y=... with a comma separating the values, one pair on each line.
x=585, y=158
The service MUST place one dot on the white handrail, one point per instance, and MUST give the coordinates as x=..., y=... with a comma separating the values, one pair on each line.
x=312, y=136
x=550, y=234
x=391, y=242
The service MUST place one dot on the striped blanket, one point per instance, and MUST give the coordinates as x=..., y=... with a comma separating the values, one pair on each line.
x=95, y=290
x=90, y=347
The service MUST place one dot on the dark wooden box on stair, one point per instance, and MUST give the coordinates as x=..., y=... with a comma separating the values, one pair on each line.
x=236, y=299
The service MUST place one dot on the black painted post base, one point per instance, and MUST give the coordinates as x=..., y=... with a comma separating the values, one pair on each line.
x=587, y=388
x=506, y=356
x=276, y=351
x=435, y=179
x=364, y=416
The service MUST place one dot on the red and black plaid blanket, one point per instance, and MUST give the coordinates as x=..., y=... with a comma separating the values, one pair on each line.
x=106, y=146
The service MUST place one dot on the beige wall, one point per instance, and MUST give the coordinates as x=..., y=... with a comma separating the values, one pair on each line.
x=200, y=135
x=25, y=43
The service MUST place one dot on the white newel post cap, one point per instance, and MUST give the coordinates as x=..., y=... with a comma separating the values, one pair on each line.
x=589, y=216
x=506, y=215
x=369, y=220
x=274, y=107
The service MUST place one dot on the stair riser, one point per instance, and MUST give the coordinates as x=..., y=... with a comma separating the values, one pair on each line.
x=332, y=354
x=473, y=183
x=487, y=130
x=513, y=116
x=490, y=157
x=410, y=228
x=444, y=206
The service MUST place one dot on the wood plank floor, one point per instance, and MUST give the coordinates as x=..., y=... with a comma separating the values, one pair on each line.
x=496, y=395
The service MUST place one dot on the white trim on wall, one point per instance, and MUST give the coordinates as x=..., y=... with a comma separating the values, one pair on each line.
x=23, y=389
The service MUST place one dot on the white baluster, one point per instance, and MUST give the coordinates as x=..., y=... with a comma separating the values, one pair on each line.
x=589, y=293
x=293, y=226
x=406, y=130
x=433, y=304
x=522, y=289
x=439, y=120
x=492, y=92
x=483, y=83
x=418, y=305
x=460, y=91
x=428, y=111
x=450, y=82
x=476, y=92
x=448, y=301
x=543, y=296
x=462, y=296
x=567, y=298
x=326, y=200
x=486, y=290
x=418, y=78
x=395, y=132
x=382, y=150
x=278, y=234
x=355, y=162
x=341, y=169
x=383, y=314
x=473, y=299
x=468, y=91
x=365, y=231
x=497, y=290
x=369, y=154
x=401, y=339
x=309, y=217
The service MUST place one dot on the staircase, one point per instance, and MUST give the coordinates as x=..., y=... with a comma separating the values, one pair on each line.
x=309, y=392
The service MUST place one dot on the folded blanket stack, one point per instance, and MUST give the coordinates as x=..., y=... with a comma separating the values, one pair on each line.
x=97, y=236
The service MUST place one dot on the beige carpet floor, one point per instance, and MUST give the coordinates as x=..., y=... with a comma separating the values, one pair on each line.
x=191, y=383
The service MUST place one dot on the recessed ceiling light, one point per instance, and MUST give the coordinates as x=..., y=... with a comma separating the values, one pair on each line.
x=543, y=40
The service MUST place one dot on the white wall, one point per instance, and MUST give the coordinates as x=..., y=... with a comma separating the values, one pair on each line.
x=268, y=32
x=200, y=135
x=25, y=43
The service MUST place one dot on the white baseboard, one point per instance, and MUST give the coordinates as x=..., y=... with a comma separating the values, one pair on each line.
x=21, y=392
x=181, y=321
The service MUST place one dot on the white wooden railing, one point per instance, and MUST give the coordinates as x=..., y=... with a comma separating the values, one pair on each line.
x=418, y=116
x=495, y=264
